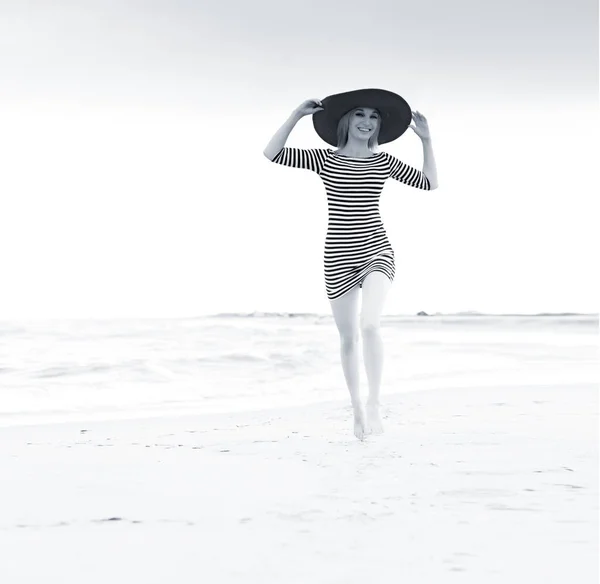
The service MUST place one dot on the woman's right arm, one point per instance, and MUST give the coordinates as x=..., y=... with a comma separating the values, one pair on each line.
x=280, y=137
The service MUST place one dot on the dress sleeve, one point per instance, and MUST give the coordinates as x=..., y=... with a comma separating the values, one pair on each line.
x=312, y=159
x=407, y=174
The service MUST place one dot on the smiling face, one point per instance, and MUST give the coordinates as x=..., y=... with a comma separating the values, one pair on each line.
x=363, y=123
x=359, y=127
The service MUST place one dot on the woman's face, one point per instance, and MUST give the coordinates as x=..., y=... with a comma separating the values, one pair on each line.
x=363, y=123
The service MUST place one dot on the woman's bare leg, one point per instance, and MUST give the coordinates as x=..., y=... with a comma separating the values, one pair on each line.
x=345, y=314
x=375, y=288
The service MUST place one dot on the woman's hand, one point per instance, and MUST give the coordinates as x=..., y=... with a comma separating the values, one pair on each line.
x=309, y=107
x=421, y=128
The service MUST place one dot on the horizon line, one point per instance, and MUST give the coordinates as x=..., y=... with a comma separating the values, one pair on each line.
x=267, y=314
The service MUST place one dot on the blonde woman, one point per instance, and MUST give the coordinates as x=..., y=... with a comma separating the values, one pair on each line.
x=358, y=253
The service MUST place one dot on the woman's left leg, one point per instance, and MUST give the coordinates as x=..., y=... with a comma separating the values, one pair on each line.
x=374, y=291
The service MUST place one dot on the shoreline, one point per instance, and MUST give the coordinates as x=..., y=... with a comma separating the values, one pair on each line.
x=195, y=412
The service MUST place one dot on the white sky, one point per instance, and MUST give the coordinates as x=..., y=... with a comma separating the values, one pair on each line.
x=134, y=183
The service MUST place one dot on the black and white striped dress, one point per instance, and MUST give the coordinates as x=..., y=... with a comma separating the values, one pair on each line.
x=356, y=243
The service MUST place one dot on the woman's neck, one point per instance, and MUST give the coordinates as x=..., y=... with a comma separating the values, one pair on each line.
x=356, y=148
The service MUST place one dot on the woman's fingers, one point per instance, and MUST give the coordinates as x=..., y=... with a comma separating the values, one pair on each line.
x=419, y=117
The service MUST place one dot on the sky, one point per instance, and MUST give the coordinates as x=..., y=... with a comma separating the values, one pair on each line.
x=134, y=184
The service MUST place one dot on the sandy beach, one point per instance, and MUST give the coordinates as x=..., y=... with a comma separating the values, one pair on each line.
x=467, y=485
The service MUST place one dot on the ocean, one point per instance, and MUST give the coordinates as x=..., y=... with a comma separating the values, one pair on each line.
x=60, y=370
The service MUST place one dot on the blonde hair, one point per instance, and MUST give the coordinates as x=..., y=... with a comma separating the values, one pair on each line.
x=344, y=124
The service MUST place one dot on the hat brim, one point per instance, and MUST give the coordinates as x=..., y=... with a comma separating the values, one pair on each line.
x=396, y=114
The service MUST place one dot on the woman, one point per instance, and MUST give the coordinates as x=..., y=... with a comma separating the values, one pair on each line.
x=357, y=251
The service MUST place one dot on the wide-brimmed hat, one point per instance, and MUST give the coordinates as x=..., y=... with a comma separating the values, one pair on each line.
x=396, y=114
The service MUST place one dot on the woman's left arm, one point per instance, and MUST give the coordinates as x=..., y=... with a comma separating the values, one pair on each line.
x=421, y=129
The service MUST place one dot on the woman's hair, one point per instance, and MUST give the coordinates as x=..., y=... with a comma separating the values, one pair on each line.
x=344, y=124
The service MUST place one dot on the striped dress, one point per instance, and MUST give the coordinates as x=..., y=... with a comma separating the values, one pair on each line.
x=356, y=243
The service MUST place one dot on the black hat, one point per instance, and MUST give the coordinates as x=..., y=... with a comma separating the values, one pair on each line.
x=396, y=114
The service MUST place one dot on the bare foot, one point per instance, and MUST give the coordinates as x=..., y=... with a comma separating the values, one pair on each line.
x=360, y=423
x=374, y=424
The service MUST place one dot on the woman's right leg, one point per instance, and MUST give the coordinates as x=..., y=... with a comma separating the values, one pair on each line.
x=346, y=316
